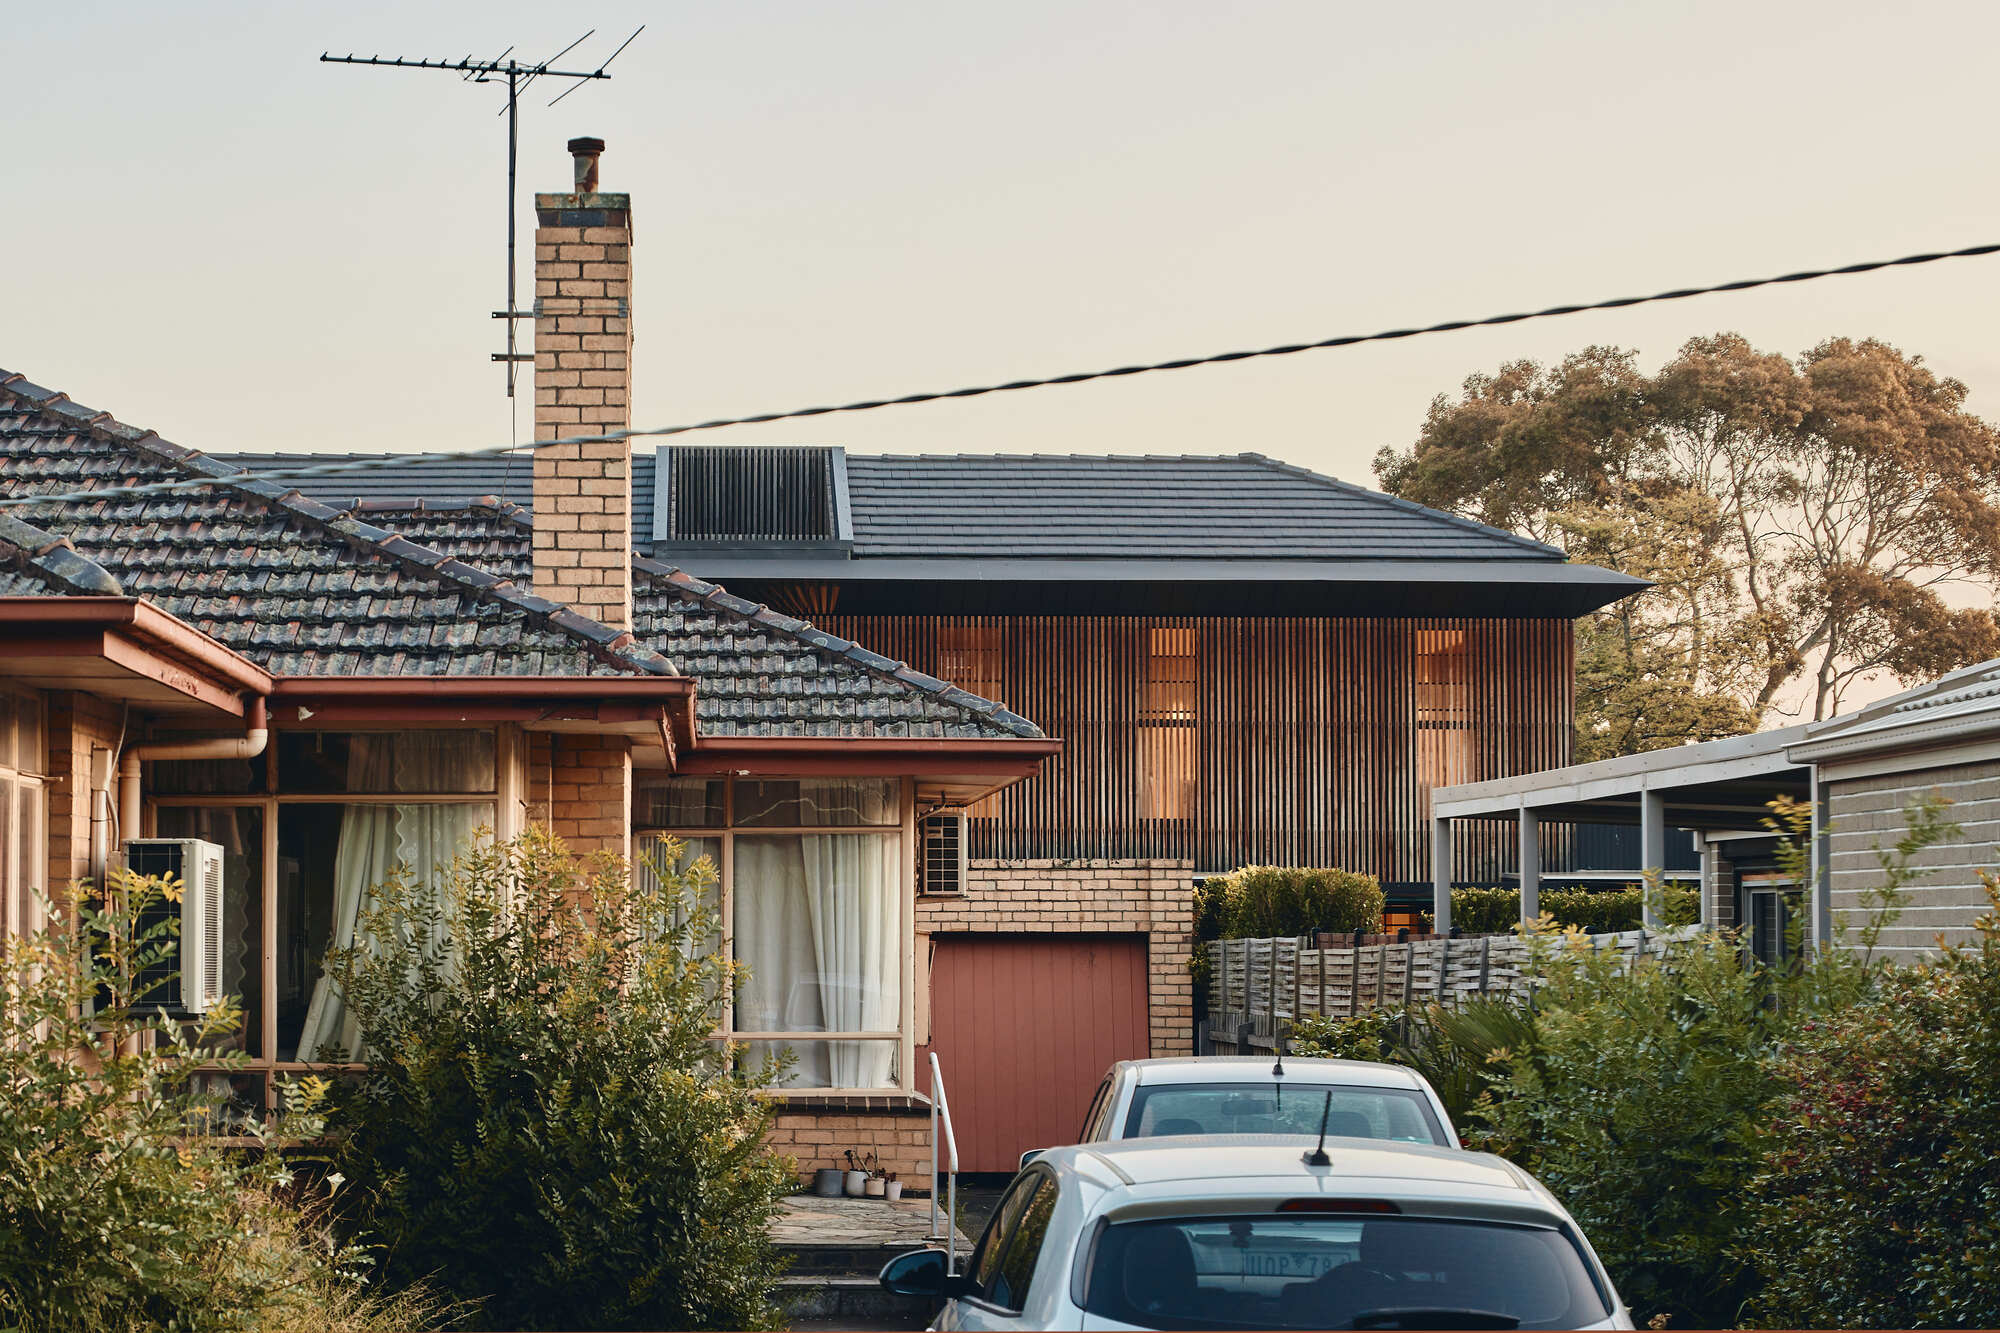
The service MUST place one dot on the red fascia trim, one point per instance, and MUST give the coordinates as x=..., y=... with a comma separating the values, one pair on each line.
x=144, y=621
x=660, y=688
x=885, y=756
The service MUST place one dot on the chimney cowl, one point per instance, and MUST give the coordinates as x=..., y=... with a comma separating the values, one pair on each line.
x=583, y=153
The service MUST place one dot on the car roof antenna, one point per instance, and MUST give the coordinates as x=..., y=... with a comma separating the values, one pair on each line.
x=1318, y=1157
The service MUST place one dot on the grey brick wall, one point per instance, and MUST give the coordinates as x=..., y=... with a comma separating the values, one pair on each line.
x=1867, y=813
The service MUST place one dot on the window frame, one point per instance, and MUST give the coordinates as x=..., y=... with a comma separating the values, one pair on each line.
x=901, y=828
x=506, y=798
x=24, y=840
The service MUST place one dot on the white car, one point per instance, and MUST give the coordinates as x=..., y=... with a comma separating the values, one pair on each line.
x=1257, y=1094
x=1254, y=1232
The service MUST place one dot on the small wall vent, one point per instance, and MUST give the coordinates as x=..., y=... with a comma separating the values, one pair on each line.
x=941, y=867
x=790, y=495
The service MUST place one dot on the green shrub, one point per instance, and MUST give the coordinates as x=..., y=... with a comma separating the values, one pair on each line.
x=1262, y=901
x=545, y=1127
x=1452, y=1047
x=1878, y=1202
x=114, y=1213
x=1365, y=1036
x=1594, y=911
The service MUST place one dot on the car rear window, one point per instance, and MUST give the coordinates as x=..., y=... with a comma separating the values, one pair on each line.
x=1400, y=1115
x=1305, y=1270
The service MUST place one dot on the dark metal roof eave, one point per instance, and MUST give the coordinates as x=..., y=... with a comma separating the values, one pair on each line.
x=1009, y=570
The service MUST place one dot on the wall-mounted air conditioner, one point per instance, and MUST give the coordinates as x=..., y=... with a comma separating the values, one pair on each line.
x=191, y=981
x=941, y=864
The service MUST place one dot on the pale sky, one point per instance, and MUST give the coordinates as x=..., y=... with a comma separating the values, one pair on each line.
x=212, y=235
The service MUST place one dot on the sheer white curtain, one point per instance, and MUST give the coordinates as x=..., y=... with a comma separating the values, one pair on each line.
x=819, y=921
x=376, y=839
x=857, y=934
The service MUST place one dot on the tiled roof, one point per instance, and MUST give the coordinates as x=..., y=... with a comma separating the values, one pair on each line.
x=35, y=564
x=293, y=585
x=1073, y=507
x=759, y=672
x=1190, y=509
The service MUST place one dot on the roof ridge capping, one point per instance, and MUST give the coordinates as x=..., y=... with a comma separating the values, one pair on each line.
x=56, y=560
x=611, y=645
x=1383, y=497
x=719, y=597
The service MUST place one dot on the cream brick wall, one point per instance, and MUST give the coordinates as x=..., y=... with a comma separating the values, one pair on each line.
x=583, y=386
x=1152, y=898
x=581, y=787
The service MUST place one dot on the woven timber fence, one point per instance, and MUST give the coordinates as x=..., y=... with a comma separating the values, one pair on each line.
x=1258, y=989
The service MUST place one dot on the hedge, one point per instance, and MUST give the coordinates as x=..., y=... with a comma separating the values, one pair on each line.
x=1258, y=902
x=1597, y=911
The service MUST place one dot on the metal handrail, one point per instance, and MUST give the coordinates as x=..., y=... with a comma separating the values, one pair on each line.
x=941, y=1105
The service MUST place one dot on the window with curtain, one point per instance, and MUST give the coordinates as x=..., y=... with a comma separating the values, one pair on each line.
x=23, y=842
x=814, y=906
x=333, y=856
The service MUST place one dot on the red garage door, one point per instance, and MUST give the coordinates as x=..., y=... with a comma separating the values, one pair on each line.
x=1025, y=1026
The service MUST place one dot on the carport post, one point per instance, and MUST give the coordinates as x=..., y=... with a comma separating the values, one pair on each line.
x=1652, y=851
x=1440, y=876
x=1531, y=865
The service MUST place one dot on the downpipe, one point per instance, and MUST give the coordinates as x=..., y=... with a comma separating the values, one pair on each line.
x=249, y=745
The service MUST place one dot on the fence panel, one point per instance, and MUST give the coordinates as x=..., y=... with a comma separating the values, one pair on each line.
x=1259, y=988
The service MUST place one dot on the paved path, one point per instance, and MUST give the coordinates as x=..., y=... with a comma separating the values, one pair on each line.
x=809, y=1220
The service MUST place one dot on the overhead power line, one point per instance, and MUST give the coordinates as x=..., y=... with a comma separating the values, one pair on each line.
x=1082, y=377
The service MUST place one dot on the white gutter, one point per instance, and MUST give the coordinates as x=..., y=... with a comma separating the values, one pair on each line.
x=247, y=746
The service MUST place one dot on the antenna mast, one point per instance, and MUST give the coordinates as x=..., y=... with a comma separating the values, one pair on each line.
x=519, y=75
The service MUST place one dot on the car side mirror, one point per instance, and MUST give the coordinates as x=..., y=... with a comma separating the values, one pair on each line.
x=1030, y=1156
x=922, y=1273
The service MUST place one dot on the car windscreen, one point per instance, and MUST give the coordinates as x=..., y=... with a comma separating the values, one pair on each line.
x=1400, y=1115
x=1306, y=1270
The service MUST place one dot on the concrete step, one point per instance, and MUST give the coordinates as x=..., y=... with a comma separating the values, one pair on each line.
x=859, y=1302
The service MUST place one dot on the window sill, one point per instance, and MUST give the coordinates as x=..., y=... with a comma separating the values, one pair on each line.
x=906, y=1103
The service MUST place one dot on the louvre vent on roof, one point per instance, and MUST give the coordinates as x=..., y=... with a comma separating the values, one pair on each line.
x=757, y=494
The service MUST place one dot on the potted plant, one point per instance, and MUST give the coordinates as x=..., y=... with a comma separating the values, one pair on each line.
x=872, y=1185
x=857, y=1178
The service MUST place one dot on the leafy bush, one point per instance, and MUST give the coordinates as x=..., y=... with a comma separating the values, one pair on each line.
x=1452, y=1047
x=1594, y=911
x=1877, y=1203
x=114, y=1212
x=1636, y=1100
x=545, y=1126
x=1257, y=902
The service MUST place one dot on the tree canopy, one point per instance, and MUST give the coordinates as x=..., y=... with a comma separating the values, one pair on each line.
x=1800, y=519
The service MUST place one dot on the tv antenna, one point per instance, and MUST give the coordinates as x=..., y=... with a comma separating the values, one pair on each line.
x=520, y=75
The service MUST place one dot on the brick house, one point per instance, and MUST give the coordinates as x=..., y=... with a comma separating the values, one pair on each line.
x=1244, y=662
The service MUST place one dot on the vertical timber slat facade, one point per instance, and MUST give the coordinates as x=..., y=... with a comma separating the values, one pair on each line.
x=1229, y=741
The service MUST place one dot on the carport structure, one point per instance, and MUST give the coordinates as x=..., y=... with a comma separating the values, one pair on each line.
x=1713, y=788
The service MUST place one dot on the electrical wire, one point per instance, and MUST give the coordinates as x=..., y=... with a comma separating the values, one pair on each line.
x=1012, y=386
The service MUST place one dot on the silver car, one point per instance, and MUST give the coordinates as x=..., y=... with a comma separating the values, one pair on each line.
x=1245, y=1094
x=1259, y=1232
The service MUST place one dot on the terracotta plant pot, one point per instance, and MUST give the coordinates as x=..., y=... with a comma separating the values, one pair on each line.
x=874, y=1186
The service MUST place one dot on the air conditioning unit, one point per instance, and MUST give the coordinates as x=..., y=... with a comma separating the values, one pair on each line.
x=941, y=864
x=195, y=984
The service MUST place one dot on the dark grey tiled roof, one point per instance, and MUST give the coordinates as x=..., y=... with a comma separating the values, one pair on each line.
x=449, y=481
x=293, y=585
x=759, y=672
x=1075, y=507
x=35, y=564
x=1196, y=510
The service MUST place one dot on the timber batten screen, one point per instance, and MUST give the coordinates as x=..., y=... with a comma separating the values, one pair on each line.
x=1233, y=741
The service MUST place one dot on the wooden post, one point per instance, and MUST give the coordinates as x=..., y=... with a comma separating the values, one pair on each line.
x=1485, y=963
x=1444, y=966
x=1320, y=1008
x=1381, y=974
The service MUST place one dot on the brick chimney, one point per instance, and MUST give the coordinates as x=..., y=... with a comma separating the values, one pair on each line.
x=583, y=386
